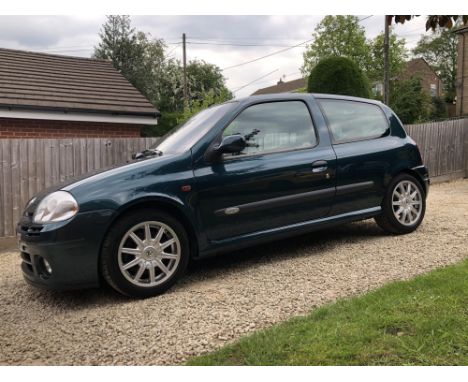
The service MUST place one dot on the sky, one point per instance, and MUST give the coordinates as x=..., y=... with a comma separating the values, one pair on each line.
x=207, y=37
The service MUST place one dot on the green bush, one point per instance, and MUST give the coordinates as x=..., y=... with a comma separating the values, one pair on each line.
x=438, y=108
x=409, y=102
x=338, y=75
x=169, y=120
x=166, y=122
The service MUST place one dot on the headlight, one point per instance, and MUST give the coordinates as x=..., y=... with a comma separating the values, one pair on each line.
x=58, y=206
x=31, y=201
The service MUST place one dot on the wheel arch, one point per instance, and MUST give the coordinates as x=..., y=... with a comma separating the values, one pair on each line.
x=414, y=174
x=166, y=205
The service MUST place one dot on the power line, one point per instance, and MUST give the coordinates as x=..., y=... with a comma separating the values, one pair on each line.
x=235, y=44
x=269, y=81
x=259, y=38
x=169, y=53
x=268, y=55
x=365, y=18
x=251, y=82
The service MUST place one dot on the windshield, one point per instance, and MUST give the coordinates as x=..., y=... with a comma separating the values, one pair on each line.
x=182, y=138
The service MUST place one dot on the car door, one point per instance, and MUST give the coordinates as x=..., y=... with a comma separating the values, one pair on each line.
x=284, y=176
x=365, y=149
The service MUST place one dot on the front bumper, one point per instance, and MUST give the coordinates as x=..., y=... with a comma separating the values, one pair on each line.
x=423, y=174
x=71, y=248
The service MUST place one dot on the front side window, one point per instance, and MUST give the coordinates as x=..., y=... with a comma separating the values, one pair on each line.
x=274, y=126
x=353, y=120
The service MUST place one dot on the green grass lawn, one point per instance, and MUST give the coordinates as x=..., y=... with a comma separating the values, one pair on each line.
x=423, y=321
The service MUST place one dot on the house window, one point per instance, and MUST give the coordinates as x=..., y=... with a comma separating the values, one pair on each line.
x=433, y=90
x=377, y=88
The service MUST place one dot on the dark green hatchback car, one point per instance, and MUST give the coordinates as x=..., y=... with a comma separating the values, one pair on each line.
x=237, y=174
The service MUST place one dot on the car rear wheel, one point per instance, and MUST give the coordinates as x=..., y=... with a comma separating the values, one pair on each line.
x=404, y=205
x=144, y=253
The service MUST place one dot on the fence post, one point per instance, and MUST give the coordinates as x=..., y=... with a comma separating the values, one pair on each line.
x=465, y=146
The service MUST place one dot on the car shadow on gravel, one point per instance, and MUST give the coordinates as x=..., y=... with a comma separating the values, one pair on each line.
x=221, y=265
x=74, y=300
x=306, y=245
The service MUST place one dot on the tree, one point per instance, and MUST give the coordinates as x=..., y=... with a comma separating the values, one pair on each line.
x=136, y=55
x=432, y=22
x=398, y=57
x=338, y=75
x=143, y=61
x=438, y=109
x=169, y=120
x=440, y=51
x=337, y=36
x=409, y=102
x=205, y=78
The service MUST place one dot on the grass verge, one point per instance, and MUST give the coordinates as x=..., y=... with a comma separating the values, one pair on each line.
x=423, y=321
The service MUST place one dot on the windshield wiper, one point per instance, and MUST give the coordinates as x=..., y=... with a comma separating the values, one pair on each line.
x=147, y=153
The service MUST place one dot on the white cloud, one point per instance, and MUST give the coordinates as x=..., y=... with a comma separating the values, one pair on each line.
x=76, y=35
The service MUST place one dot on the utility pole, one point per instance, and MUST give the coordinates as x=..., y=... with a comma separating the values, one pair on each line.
x=386, y=62
x=184, y=55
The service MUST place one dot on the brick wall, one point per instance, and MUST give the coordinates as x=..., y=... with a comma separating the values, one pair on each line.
x=418, y=68
x=35, y=128
x=462, y=74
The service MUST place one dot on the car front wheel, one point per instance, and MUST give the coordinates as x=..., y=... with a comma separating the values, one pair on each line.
x=144, y=253
x=403, y=206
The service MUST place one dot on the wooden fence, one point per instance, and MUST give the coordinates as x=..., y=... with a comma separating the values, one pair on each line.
x=443, y=146
x=28, y=166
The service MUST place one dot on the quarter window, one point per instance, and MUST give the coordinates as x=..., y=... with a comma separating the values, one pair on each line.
x=274, y=126
x=352, y=120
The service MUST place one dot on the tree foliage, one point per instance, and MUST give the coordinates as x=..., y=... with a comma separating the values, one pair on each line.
x=338, y=75
x=398, y=57
x=206, y=80
x=438, y=109
x=337, y=36
x=143, y=61
x=432, y=22
x=343, y=36
x=169, y=120
x=440, y=51
x=409, y=101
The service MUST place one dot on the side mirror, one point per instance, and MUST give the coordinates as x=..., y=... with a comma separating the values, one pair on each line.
x=229, y=145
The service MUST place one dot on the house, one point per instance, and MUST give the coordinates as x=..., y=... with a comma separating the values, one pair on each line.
x=462, y=72
x=52, y=96
x=284, y=87
x=430, y=81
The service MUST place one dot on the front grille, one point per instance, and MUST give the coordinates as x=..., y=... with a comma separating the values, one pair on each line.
x=28, y=261
x=31, y=229
x=34, y=264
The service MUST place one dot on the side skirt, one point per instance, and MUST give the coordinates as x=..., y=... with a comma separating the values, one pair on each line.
x=242, y=241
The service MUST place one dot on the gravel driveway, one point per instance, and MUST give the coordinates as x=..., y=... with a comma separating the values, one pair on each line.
x=226, y=297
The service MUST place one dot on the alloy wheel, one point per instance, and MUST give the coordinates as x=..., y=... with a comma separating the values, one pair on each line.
x=149, y=254
x=406, y=202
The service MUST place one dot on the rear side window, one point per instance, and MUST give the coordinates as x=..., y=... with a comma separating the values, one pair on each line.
x=274, y=126
x=352, y=120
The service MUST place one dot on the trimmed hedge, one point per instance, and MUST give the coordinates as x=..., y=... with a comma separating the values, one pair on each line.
x=338, y=75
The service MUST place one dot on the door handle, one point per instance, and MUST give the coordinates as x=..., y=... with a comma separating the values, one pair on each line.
x=319, y=166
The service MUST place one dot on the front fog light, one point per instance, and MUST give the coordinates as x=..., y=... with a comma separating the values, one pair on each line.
x=47, y=266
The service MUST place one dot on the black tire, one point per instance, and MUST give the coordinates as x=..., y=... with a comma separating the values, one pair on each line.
x=109, y=259
x=387, y=219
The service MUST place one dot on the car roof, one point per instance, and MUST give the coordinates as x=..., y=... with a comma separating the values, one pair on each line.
x=276, y=96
